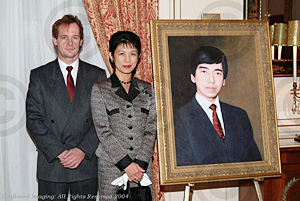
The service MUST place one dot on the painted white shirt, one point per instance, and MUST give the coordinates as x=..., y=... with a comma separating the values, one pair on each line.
x=205, y=104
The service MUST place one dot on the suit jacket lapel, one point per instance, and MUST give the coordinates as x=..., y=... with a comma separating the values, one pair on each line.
x=231, y=134
x=82, y=91
x=203, y=125
x=120, y=91
x=59, y=88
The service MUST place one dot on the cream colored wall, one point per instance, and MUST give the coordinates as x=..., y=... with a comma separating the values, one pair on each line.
x=192, y=9
x=288, y=122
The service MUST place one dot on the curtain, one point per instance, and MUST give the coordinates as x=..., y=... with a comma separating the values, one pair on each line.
x=108, y=16
x=26, y=43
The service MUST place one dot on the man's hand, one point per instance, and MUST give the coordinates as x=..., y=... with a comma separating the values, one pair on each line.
x=60, y=156
x=72, y=158
x=134, y=172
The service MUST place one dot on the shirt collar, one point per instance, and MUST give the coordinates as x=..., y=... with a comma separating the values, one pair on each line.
x=205, y=104
x=63, y=65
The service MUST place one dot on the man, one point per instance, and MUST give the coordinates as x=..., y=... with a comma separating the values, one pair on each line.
x=208, y=131
x=59, y=118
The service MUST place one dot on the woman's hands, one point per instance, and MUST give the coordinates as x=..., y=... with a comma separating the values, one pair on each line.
x=134, y=172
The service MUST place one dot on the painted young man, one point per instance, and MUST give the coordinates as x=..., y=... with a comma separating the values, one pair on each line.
x=208, y=131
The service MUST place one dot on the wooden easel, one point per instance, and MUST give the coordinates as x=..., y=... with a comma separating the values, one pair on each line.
x=257, y=188
x=188, y=192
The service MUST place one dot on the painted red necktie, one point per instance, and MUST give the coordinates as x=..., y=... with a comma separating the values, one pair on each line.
x=217, y=123
x=70, y=83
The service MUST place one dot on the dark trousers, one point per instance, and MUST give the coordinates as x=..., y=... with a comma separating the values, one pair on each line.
x=59, y=191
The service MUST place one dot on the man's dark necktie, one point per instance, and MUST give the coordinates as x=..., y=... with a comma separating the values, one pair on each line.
x=70, y=83
x=217, y=123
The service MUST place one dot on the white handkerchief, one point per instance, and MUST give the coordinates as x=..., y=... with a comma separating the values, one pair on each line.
x=124, y=179
x=120, y=181
x=145, y=180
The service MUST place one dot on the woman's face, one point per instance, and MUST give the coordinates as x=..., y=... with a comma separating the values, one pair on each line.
x=125, y=58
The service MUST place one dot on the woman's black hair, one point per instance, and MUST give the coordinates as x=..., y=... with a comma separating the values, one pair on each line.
x=126, y=38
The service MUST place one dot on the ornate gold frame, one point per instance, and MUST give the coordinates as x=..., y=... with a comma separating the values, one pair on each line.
x=260, y=70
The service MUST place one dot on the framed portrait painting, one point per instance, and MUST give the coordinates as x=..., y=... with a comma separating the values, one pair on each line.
x=199, y=62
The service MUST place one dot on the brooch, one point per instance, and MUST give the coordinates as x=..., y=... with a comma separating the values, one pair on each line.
x=144, y=91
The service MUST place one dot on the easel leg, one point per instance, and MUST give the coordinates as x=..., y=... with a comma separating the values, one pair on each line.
x=188, y=192
x=258, y=191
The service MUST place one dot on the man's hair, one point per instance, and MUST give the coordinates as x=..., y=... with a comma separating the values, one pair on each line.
x=126, y=38
x=67, y=20
x=208, y=55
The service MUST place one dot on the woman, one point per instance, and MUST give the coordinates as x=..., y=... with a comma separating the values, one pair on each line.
x=124, y=115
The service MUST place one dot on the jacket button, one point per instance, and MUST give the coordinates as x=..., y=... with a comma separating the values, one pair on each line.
x=87, y=120
x=52, y=121
x=129, y=116
x=130, y=127
x=64, y=142
x=130, y=138
x=130, y=148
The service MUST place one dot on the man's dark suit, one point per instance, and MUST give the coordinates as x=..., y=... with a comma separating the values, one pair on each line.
x=55, y=124
x=197, y=141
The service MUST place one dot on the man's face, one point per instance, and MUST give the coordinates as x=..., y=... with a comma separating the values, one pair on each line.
x=209, y=80
x=68, y=42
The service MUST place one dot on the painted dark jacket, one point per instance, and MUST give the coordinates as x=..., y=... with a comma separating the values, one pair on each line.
x=198, y=143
